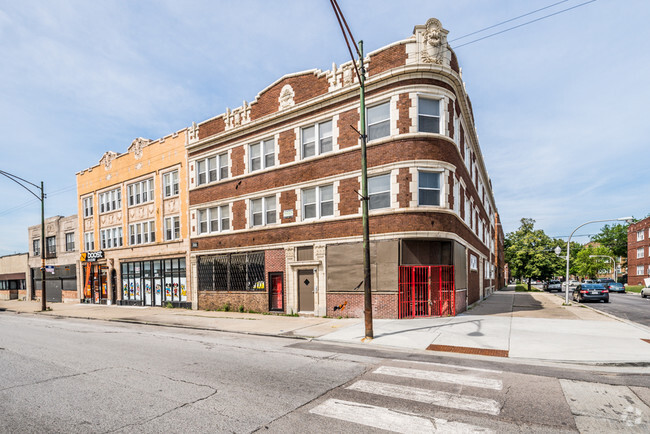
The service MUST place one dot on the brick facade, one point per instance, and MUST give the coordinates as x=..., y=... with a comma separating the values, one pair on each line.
x=398, y=74
x=638, y=247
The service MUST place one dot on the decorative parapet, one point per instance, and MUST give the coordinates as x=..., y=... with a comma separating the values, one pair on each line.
x=342, y=76
x=431, y=44
x=192, y=134
x=237, y=117
x=137, y=145
x=107, y=160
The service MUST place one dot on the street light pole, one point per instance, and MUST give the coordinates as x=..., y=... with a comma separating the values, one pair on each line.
x=568, y=248
x=611, y=259
x=18, y=180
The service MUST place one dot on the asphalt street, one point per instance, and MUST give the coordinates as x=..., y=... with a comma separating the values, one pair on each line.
x=73, y=375
x=629, y=306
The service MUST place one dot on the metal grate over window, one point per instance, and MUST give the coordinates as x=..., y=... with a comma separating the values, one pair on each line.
x=232, y=272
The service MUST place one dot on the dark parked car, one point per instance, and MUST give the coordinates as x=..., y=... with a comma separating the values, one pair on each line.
x=615, y=287
x=605, y=280
x=590, y=292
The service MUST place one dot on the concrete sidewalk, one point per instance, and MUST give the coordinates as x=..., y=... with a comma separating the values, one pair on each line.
x=531, y=326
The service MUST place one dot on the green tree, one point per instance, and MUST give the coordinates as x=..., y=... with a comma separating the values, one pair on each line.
x=613, y=238
x=588, y=267
x=529, y=252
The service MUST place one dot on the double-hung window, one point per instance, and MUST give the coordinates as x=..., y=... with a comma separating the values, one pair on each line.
x=428, y=188
x=263, y=211
x=89, y=241
x=428, y=115
x=317, y=139
x=111, y=237
x=170, y=184
x=110, y=200
x=212, y=169
x=215, y=219
x=639, y=270
x=140, y=192
x=172, y=228
x=261, y=155
x=88, y=206
x=69, y=242
x=36, y=247
x=640, y=235
x=639, y=252
x=379, y=121
x=50, y=246
x=379, y=192
x=142, y=233
x=318, y=202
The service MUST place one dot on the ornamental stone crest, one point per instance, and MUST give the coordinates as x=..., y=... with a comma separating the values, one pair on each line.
x=435, y=42
x=193, y=133
x=237, y=117
x=107, y=159
x=286, y=97
x=137, y=145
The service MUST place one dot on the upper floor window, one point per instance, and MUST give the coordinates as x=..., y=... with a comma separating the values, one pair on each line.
x=379, y=121
x=89, y=242
x=640, y=235
x=140, y=192
x=36, y=247
x=170, y=184
x=263, y=211
x=379, y=191
x=639, y=270
x=110, y=200
x=639, y=252
x=428, y=115
x=317, y=139
x=215, y=219
x=261, y=155
x=318, y=202
x=212, y=169
x=111, y=237
x=172, y=228
x=50, y=246
x=88, y=206
x=142, y=233
x=429, y=188
x=69, y=242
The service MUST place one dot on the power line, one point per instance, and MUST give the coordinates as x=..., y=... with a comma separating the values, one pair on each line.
x=525, y=24
x=510, y=20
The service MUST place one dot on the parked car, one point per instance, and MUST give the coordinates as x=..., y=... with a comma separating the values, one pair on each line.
x=614, y=287
x=554, y=285
x=572, y=284
x=645, y=292
x=590, y=292
x=605, y=280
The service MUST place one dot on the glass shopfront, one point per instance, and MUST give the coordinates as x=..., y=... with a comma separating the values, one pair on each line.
x=155, y=283
x=96, y=283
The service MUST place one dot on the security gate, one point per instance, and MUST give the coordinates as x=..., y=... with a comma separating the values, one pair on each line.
x=426, y=290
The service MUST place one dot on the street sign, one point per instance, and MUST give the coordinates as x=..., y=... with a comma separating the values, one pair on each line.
x=49, y=269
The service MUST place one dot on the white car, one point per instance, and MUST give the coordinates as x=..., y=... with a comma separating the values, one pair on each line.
x=645, y=292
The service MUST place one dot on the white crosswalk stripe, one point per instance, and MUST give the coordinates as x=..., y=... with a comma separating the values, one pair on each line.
x=390, y=420
x=397, y=419
x=439, y=398
x=443, y=377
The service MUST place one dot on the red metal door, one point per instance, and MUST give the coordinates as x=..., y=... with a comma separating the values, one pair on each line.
x=427, y=290
x=276, y=301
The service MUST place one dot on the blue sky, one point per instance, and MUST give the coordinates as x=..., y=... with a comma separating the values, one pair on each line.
x=560, y=104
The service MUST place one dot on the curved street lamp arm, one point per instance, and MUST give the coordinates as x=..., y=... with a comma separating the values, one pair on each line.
x=15, y=179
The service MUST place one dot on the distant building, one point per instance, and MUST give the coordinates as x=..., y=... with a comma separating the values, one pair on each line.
x=61, y=251
x=638, y=252
x=275, y=216
x=133, y=229
x=14, y=270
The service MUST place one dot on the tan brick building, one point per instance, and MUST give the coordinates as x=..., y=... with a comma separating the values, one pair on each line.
x=275, y=216
x=14, y=272
x=133, y=231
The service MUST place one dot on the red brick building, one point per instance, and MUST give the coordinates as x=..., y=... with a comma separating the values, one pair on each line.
x=275, y=214
x=638, y=252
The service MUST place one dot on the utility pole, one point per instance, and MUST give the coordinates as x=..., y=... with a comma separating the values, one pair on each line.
x=20, y=181
x=361, y=75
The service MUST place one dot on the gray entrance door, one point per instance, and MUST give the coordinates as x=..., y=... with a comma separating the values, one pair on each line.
x=305, y=290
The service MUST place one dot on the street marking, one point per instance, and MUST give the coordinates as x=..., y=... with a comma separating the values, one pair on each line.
x=442, y=399
x=390, y=420
x=468, y=368
x=441, y=377
x=597, y=405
